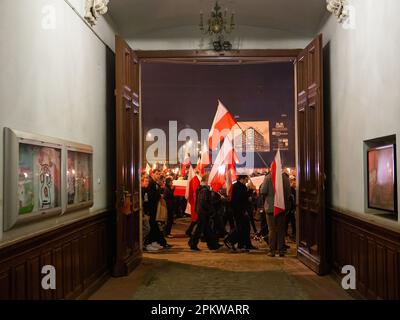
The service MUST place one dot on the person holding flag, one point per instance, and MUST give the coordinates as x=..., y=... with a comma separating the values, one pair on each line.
x=193, y=184
x=276, y=190
x=240, y=203
x=205, y=211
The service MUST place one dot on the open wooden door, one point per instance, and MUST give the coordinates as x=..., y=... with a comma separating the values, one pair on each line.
x=128, y=251
x=312, y=246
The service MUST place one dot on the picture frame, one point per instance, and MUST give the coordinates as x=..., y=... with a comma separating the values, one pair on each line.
x=382, y=178
x=33, y=177
x=37, y=181
x=78, y=177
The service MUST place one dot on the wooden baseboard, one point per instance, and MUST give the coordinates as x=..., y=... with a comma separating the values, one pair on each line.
x=88, y=292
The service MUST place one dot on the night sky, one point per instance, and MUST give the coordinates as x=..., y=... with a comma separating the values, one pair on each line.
x=189, y=94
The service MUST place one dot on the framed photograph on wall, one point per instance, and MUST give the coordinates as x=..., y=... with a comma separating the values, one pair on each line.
x=32, y=177
x=79, y=177
x=381, y=178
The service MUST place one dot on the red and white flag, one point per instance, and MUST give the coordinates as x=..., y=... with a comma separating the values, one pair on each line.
x=222, y=125
x=205, y=158
x=277, y=182
x=230, y=176
x=226, y=161
x=193, y=183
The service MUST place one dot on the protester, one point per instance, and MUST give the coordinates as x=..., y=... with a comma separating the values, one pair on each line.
x=156, y=238
x=170, y=201
x=146, y=216
x=240, y=204
x=291, y=212
x=217, y=213
x=276, y=223
x=204, y=211
x=252, y=194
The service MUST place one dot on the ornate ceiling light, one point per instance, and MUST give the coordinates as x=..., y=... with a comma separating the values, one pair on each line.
x=94, y=9
x=339, y=8
x=218, y=25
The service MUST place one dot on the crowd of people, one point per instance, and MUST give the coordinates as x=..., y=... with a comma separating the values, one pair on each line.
x=231, y=220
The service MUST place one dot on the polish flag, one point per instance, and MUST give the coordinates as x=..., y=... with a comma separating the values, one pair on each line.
x=277, y=182
x=226, y=161
x=193, y=183
x=222, y=125
x=230, y=176
x=205, y=158
x=186, y=162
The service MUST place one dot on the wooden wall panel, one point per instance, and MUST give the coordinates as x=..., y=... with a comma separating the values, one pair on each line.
x=34, y=279
x=373, y=250
x=81, y=252
x=5, y=285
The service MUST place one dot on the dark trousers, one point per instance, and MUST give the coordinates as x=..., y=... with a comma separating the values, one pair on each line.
x=203, y=228
x=155, y=234
x=189, y=230
x=228, y=218
x=252, y=222
x=240, y=235
x=291, y=219
x=264, y=225
x=170, y=221
x=276, y=227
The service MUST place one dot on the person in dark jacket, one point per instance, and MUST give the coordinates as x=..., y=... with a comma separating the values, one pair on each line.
x=205, y=210
x=240, y=204
x=170, y=201
x=153, y=195
x=291, y=212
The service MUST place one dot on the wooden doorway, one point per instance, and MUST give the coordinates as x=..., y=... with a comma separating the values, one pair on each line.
x=128, y=250
x=311, y=212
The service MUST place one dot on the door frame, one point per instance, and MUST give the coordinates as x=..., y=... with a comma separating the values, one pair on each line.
x=234, y=57
x=209, y=56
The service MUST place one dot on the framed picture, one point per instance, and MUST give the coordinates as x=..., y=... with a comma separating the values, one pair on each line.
x=44, y=176
x=79, y=177
x=32, y=177
x=381, y=176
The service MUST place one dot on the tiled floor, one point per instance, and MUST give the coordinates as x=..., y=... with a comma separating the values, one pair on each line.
x=179, y=273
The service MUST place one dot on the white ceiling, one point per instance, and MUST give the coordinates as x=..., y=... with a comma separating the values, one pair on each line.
x=138, y=17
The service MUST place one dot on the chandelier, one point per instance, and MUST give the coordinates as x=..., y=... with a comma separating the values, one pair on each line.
x=217, y=26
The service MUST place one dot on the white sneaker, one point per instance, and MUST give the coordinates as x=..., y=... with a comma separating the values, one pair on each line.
x=150, y=248
x=157, y=245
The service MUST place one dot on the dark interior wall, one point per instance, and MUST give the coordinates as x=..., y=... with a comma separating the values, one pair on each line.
x=189, y=94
